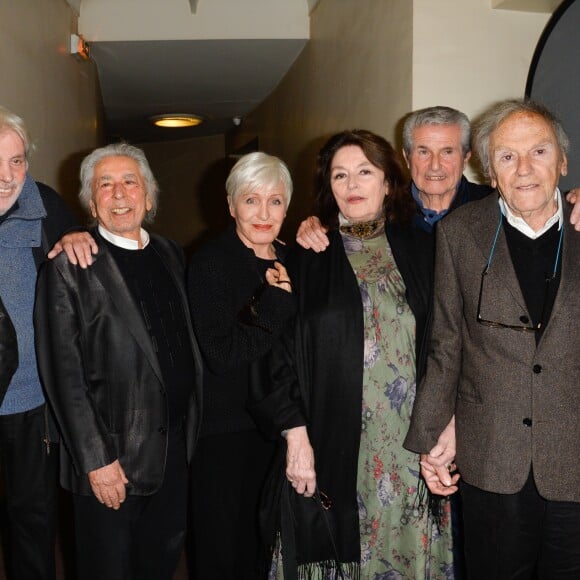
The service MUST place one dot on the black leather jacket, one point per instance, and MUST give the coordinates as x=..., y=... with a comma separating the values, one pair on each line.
x=8, y=351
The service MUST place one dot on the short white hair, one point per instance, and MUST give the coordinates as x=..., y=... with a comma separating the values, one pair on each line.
x=498, y=113
x=10, y=121
x=256, y=171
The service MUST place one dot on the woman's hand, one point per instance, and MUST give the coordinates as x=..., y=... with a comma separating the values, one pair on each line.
x=300, y=462
x=278, y=276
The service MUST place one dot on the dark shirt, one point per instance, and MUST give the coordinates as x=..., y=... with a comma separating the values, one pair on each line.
x=158, y=299
x=237, y=317
x=534, y=262
x=466, y=191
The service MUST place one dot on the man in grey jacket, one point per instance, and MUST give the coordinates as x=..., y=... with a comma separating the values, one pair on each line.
x=502, y=378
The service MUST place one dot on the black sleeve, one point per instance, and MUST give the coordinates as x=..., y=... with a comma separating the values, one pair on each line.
x=275, y=398
x=227, y=335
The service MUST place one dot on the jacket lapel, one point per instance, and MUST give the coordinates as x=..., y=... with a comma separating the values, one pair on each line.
x=502, y=272
x=570, y=273
x=110, y=276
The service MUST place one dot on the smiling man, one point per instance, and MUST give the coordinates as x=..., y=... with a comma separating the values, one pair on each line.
x=122, y=370
x=32, y=218
x=504, y=357
x=436, y=148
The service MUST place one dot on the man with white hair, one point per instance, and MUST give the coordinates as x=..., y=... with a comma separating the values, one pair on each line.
x=122, y=371
x=500, y=396
x=436, y=149
x=32, y=219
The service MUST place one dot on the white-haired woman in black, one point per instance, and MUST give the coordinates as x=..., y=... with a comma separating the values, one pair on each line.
x=241, y=298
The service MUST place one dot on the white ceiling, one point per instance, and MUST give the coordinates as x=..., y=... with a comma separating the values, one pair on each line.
x=156, y=56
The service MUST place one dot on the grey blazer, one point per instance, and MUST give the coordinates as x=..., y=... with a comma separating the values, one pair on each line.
x=516, y=405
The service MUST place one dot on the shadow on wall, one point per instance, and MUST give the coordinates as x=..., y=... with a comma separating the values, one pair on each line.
x=304, y=182
x=213, y=208
x=69, y=184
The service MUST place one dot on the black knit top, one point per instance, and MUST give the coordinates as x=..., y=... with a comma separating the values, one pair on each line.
x=158, y=299
x=534, y=262
x=237, y=317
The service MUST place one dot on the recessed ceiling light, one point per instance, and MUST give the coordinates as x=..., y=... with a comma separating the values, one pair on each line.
x=177, y=120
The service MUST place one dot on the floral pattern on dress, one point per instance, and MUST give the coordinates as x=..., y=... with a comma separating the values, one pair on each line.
x=399, y=539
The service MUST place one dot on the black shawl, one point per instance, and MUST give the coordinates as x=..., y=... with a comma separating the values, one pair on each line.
x=313, y=376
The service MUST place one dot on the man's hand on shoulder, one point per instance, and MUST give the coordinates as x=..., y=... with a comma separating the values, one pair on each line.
x=574, y=197
x=311, y=235
x=78, y=246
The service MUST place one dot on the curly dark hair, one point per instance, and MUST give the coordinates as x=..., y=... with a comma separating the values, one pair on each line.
x=398, y=206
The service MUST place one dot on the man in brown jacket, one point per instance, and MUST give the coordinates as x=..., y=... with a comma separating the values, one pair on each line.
x=503, y=379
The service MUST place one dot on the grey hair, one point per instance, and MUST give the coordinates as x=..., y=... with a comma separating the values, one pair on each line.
x=437, y=116
x=11, y=121
x=498, y=113
x=89, y=163
x=258, y=170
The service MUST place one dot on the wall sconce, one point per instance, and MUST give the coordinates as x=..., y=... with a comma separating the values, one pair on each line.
x=79, y=47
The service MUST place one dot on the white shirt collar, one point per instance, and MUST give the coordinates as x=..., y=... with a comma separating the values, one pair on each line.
x=520, y=224
x=122, y=242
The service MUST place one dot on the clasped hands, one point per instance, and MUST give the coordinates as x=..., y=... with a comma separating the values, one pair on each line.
x=438, y=467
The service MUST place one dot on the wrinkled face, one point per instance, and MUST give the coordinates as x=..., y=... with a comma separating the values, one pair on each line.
x=358, y=186
x=436, y=161
x=120, y=200
x=259, y=214
x=13, y=168
x=526, y=164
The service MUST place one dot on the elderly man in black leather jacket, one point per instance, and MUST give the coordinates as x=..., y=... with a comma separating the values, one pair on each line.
x=122, y=372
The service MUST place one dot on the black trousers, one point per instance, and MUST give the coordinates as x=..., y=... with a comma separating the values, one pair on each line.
x=228, y=473
x=30, y=479
x=520, y=536
x=144, y=538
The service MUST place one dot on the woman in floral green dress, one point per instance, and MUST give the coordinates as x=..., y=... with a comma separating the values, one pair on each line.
x=345, y=501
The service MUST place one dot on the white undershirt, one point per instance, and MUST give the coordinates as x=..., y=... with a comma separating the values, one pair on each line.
x=122, y=242
x=520, y=224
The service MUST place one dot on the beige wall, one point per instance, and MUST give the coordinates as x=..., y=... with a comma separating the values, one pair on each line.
x=481, y=54
x=56, y=95
x=172, y=19
x=354, y=73
x=371, y=61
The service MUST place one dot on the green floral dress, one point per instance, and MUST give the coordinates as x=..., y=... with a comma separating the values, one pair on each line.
x=399, y=540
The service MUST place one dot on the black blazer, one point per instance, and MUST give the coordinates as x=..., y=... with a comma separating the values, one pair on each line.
x=100, y=370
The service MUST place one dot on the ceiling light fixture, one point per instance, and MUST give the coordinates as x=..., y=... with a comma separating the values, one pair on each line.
x=177, y=120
